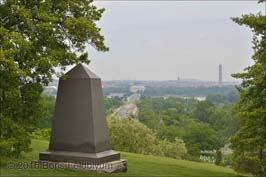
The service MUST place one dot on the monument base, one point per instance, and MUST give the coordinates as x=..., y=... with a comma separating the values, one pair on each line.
x=109, y=167
x=80, y=157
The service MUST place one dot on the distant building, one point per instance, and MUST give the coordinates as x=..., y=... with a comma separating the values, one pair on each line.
x=137, y=88
x=220, y=81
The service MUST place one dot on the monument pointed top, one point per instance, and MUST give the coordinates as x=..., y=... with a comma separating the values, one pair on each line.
x=79, y=127
x=81, y=71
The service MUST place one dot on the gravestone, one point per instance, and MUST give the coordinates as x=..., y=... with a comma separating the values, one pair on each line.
x=79, y=128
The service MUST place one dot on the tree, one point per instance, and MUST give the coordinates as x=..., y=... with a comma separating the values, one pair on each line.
x=231, y=97
x=203, y=111
x=48, y=106
x=170, y=132
x=249, y=143
x=218, y=158
x=111, y=103
x=202, y=135
x=175, y=149
x=35, y=37
x=132, y=136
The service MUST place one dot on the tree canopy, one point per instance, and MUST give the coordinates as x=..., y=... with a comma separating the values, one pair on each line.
x=35, y=37
x=249, y=143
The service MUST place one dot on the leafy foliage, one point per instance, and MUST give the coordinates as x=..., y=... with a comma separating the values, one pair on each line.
x=132, y=136
x=41, y=134
x=36, y=37
x=202, y=125
x=48, y=106
x=127, y=135
x=202, y=111
x=15, y=139
x=202, y=135
x=218, y=159
x=175, y=149
x=249, y=143
x=121, y=89
x=112, y=103
x=232, y=97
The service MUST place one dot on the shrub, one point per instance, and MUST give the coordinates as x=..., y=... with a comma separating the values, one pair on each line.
x=218, y=159
x=43, y=134
x=176, y=149
x=13, y=138
x=129, y=135
x=227, y=160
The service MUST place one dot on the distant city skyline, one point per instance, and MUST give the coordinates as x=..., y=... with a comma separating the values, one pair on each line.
x=165, y=40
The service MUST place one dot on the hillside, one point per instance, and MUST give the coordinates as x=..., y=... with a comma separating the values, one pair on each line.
x=138, y=165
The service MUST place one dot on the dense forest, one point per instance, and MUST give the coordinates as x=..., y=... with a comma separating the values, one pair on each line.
x=203, y=125
x=223, y=90
x=190, y=91
x=122, y=89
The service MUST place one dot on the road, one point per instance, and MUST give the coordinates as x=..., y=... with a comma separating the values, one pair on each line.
x=130, y=107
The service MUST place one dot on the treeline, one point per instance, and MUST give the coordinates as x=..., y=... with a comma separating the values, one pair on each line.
x=231, y=97
x=189, y=91
x=202, y=125
x=122, y=89
x=112, y=103
x=130, y=135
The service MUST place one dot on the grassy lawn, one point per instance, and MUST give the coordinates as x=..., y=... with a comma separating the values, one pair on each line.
x=138, y=165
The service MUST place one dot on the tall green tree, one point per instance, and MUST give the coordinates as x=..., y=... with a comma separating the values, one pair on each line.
x=202, y=135
x=132, y=136
x=249, y=143
x=203, y=111
x=48, y=107
x=35, y=37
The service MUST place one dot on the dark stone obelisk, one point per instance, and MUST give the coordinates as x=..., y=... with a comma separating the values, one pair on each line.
x=79, y=128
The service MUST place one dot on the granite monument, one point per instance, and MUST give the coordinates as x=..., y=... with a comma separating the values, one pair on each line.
x=79, y=128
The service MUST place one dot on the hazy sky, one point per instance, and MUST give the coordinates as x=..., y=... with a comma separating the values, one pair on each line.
x=163, y=40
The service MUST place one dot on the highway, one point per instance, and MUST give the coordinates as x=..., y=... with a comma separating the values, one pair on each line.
x=130, y=107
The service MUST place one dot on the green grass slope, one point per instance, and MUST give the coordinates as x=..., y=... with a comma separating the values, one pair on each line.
x=138, y=165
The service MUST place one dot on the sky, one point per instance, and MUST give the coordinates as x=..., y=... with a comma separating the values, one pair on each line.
x=156, y=40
